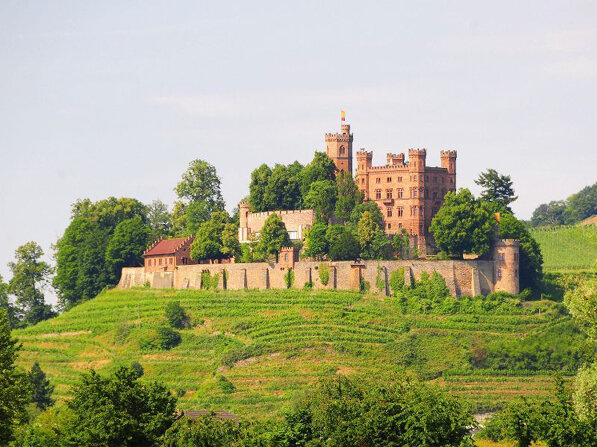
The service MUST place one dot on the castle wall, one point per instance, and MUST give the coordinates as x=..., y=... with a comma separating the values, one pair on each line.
x=296, y=222
x=463, y=277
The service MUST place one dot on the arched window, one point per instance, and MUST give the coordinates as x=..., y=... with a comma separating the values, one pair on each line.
x=342, y=150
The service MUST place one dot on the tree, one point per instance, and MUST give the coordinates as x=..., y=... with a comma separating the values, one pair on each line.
x=273, y=236
x=321, y=167
x=349, y=196
x=80, y=262
x=463, y=225
x=30, y=276
x=216, y=238
x=581, y=205
x=259, y=181
x=81, y=267
x=400, y=243
x=176, y=315
x=282, y=190
x=200, y=183
x=374, y=242
x=159, y=220
x=551, y=213
x=119, y=410
x=12, y=313
x=585, y=393
x=125, y=249
x=41, y=390
x=582, y=302
x=316, y=242
x=372, y=208
x=497, y=189
x=344, y=247
x=322, y=198
x=14, y=387
x=531, y=259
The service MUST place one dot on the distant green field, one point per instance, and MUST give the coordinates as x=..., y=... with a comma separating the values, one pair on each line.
x=568, y=247
x=271, y=345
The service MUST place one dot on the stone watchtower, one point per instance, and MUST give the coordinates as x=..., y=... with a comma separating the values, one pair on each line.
x=339, y=148
x=506, y=260
x=243, y=217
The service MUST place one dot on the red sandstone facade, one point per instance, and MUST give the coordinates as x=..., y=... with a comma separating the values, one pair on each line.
x=165, y=254
x=408, y=192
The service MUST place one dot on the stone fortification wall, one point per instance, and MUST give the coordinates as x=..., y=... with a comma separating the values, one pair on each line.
x=465, y=277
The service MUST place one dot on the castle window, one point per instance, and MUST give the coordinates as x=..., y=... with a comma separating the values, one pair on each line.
x=415, y=193
x=426, y=192
x=378, y=194
x=400, y=192
x=435, y=194
x=286, y=256
x=171, y=261
x=388, y=193
x=378, y=180
x=389, y=212
x=400, y=211
x=501, y=257
x=516, y=256
x=399, y=224
x=415, y=210
x=363, y=180
x=499, y=273
x=389, y=226
x=399, y=179
x=342, y=150
x=160, y=261
x=434, y=179
x=388, y=179
x=414, y=178
x=451, y=180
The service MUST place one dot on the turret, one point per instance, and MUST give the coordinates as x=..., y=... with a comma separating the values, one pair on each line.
x=339, y=148
x=448, y=161
x=506, y=260
x=395, y=159
x=416, y=160
x=364, y=163
x=243, y=218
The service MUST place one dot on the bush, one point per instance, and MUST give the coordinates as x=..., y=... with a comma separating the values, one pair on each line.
x=397, y=281
x=136, y=366
x=123, y=330
x=176, y=315
x=289, y=278
x=364, y=286
x=163, y=338
x=324, y=273
x=236, y=355
x=226, y=386
x=380, y=279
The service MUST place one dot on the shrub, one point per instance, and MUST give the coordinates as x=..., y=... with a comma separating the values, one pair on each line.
x=123, y=330
x=364, y=286
x=324, y=273
x=380, y=279
x=226, y=386
x=162, y=339
x=176, y=315
x=289, y=278
x=181, y=392
x=205, y=279
x=236, y=355
x=136, y=366
x=397, y=281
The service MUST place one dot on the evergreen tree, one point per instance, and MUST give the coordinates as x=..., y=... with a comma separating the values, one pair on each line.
x=14, y=386
x=497, y=189
x=41, y=390
x=29, y=277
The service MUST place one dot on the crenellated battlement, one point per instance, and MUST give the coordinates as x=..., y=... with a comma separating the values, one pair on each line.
x=417, y=152
x=448, y=153
x=362, y=153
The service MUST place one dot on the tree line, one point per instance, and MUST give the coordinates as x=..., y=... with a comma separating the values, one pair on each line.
x=570, y=211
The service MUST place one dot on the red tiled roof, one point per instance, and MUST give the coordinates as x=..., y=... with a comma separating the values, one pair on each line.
x=166, y=246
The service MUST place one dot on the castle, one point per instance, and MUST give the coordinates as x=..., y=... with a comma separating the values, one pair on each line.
x=407, y=192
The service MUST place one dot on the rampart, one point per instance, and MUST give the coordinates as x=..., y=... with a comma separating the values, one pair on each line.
x=463, y=277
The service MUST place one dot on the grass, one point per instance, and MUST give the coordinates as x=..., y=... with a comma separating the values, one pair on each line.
x=272, y=345
x=567, y=247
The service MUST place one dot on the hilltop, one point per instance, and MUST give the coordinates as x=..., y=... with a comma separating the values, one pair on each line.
x=250, y=352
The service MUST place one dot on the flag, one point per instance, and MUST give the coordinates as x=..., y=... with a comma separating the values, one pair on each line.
x=497, y=217
x=343, y=115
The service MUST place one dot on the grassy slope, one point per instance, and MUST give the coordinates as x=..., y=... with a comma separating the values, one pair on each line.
x=302, y=336
x=568, y=247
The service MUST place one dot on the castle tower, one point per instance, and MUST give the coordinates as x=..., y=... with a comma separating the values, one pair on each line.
x=243, y=217
x=416, y=172
x=339, y=148
x=449, y=162
x=506, y=259
x=364, y=164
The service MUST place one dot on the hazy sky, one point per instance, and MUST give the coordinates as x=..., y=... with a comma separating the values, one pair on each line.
x=115, y=98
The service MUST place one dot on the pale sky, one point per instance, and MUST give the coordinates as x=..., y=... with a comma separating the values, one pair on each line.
x=116, y=98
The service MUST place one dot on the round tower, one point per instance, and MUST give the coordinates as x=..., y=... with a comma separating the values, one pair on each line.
x=505, y=265
x=338, y=146
x=243, y=218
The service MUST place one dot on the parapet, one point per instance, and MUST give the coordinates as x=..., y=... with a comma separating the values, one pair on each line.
x=449, y=154
x=417, y=153
x=362, y=153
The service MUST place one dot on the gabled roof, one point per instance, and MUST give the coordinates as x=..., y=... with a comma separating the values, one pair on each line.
x=167, y=246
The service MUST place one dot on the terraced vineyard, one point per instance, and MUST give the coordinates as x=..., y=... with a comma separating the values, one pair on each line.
x=568, y=247
x=270, y=345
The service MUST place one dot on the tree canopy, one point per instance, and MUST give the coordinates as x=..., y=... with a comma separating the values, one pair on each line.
x=575, y=208
x=273, y=236
x=125, y=249
x=41, y=390
x=30, y=275
x=463, y=225
x=322, y=198
x=216, y=238
x=497, y=189
x=349, y=196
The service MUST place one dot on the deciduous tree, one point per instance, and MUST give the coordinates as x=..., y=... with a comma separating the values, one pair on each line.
x=30, y=276
x=316, y=243
x=349, y=196
x=159, y=220
x=125, y=249
x=273, y=236
x=463, y=225
x=322, y=197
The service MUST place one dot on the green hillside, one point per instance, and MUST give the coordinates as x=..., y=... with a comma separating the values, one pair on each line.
x=272, y=344
x=567, y=247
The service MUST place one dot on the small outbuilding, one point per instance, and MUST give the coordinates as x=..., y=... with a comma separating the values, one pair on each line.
x=165, y=254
